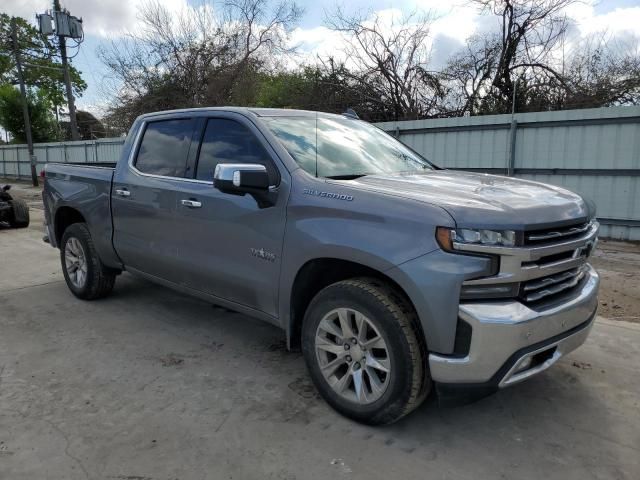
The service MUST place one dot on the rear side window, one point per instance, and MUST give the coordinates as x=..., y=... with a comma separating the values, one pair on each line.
x=165, y=147
x=227, y=141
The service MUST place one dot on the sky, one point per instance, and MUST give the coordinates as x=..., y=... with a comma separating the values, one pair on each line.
x=104, y=20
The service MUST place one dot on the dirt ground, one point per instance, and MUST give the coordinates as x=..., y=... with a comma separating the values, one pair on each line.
x=618, y=264
x=150, y=384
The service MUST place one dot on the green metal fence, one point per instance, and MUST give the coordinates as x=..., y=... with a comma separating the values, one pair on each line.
x=595, y=152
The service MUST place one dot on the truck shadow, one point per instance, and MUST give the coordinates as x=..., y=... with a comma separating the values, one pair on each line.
x=559, y=414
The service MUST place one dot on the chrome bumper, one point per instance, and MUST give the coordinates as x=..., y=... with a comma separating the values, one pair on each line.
x=511, y=342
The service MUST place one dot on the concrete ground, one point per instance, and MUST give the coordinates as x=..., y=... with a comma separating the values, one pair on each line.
x=150, y=384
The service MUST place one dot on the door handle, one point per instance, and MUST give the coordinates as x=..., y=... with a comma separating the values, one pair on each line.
x=123, y=192
x=191, y=203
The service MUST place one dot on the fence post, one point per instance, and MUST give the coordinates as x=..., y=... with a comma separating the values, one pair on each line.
x=95, y=147
x=511, y=160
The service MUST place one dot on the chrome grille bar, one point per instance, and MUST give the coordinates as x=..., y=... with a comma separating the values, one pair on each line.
x=556, y=288
x=550, y=280
x=541, y=236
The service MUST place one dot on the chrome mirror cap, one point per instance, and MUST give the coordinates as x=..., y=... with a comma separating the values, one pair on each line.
x=241, y=177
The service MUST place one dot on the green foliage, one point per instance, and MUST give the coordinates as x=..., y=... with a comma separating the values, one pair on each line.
x=43, y=124
x=41, y=66
x=285, y=89
x=328, y=88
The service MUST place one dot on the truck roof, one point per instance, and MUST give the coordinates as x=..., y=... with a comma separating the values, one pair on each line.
x=259, y=112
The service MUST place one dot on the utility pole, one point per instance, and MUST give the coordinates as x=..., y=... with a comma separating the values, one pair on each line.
x=513, y=129
x=73, y=123
x=25, y=105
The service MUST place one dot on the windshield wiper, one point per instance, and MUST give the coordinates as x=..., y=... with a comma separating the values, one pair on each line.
x=346, y=177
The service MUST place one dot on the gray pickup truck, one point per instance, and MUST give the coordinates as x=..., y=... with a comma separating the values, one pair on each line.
x=395, y=277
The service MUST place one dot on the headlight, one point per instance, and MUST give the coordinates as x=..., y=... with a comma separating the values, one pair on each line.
x=447, y=236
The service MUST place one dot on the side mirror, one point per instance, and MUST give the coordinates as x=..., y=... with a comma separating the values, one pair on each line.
x=6, y=188
x=241, y=178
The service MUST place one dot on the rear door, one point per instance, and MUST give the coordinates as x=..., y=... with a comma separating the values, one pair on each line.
x=144, y=197
x=231, y=244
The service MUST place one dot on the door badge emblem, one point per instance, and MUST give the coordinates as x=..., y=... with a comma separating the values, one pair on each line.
x=263, y=254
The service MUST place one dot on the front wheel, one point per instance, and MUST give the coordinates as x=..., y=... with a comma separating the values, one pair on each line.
x=86, y=276
x=361, y=345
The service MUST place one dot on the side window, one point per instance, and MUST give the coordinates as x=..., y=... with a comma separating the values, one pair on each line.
x=165, y=147
x=227, y=141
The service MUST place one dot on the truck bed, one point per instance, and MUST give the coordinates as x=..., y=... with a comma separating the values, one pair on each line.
x=86, y=188
x=102, y=171
x=53, y=166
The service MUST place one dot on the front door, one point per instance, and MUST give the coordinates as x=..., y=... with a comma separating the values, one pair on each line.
x=231, y=246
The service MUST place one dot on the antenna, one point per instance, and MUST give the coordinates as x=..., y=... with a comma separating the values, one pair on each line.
x=316, y=144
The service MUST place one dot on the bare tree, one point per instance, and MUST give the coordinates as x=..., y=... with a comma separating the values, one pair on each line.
x=524, y=48
x=603, y=72
x=233, y=55
x=470, y=71
x=391, y=58
x=199, y=56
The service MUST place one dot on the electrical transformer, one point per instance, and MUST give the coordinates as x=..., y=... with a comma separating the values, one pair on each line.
x=45, y=24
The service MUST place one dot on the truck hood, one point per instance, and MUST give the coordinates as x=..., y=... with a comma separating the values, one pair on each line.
x=482, y=200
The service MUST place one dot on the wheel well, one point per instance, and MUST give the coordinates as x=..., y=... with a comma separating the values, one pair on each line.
x=65, y=216
x=320, y=273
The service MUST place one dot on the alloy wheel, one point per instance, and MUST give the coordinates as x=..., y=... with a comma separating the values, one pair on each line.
x=75, y=262
x=352, y=355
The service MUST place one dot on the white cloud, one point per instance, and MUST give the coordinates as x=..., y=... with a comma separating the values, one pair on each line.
x=100, y=17
x=617, y=21
x=317, y=40
x=457, y=20
x=26, y=8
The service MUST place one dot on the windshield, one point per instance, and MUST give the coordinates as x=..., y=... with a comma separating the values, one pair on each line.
x=343, y=147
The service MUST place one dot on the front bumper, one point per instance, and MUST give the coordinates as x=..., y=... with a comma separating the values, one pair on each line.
x=511, y=342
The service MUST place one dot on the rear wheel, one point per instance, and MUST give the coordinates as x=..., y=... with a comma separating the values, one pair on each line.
x=20, y=214
x=362, y=348
x=86, y=276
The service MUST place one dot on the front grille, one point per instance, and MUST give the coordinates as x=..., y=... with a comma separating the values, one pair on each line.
x=552, y=263
x=536, y=237
x=549, y=259
x=539, y=288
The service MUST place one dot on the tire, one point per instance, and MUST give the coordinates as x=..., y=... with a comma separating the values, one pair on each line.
x=97, y=280
x=20, y=216
x=388, y=317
